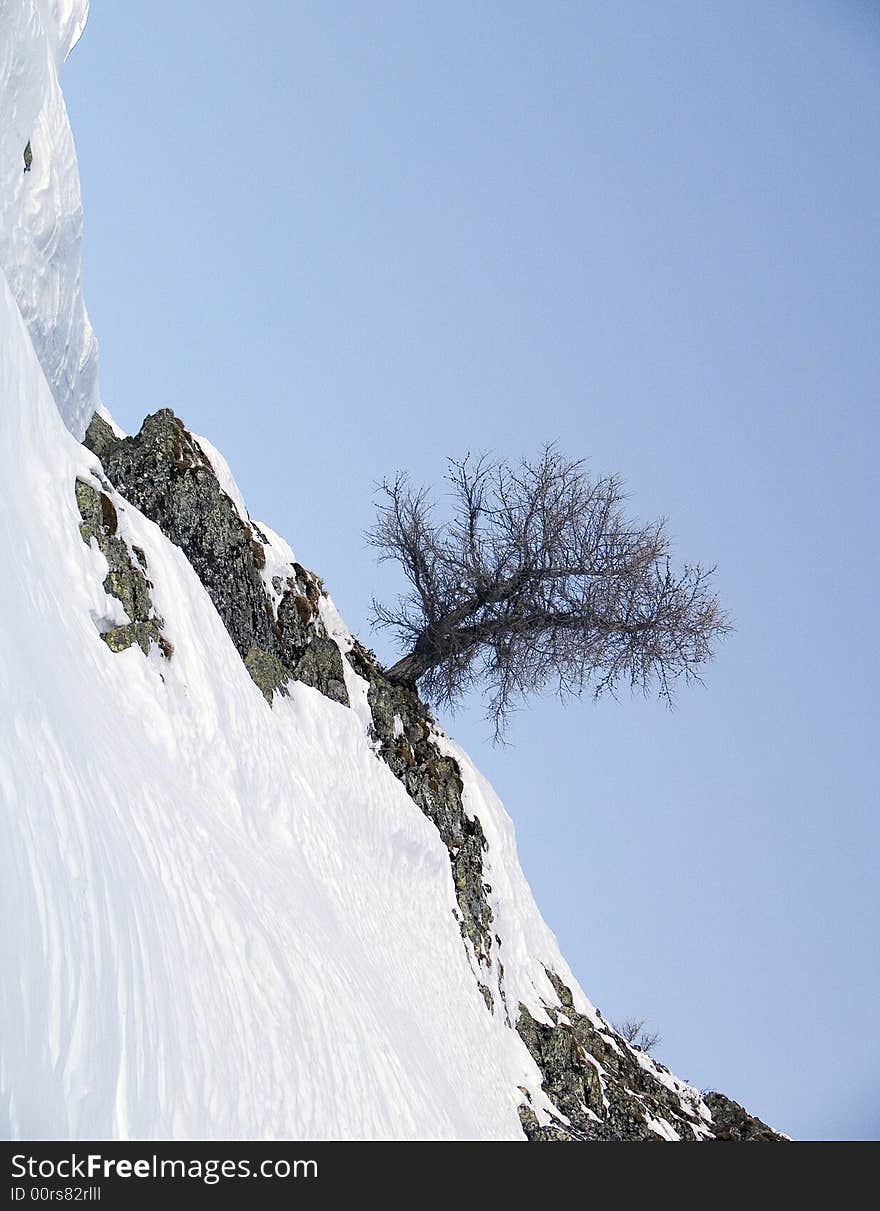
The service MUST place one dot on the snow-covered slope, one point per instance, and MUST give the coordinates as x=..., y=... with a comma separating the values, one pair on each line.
x=225, y=918
x=41, y=211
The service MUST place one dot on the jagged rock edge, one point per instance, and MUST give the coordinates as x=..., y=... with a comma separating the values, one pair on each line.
x=126, y=578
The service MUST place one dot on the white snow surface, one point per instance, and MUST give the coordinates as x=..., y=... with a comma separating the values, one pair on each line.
x=220, y=920
x=41, y=211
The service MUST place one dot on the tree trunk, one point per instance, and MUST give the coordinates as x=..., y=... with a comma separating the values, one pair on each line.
x=410, y=668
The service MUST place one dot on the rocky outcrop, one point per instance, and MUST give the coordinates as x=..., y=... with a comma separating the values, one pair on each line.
x=126, y=577
x=602, y=1087
x=403, y=729
x=600, y=1083
x=731, y=1122
x=164, y=472
x=301, y=642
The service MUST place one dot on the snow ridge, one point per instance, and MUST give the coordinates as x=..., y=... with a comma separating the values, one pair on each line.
x=41, y=210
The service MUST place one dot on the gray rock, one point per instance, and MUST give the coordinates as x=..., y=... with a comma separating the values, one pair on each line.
x=125, y=579
x=99, y=436
x=267, y=672
x=594, y=1078
x=434, y=783
x=166, y=474
x=731, y=1122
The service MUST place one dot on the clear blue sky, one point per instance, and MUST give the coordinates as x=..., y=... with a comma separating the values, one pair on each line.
x=343, y=239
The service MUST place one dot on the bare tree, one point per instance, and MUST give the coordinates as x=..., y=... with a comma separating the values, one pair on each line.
x=537, y=579
x=633, y=1030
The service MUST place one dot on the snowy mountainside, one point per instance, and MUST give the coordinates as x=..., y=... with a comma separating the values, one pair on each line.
x=226, y=919
x=41, y=211
x=257, y=893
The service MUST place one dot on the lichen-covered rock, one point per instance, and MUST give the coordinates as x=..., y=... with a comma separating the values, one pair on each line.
x=321, y=666
x=302, y=645
x=125, y=579
x=570, y=1077
x=100, y=436
x=267, y=672
x=731, y=1122
x=597, y=1081
x=403, y=727
x=536, y=1133
x=166, y=474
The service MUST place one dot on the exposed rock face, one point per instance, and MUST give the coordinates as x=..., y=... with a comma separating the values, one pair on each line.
x=602, y=1087
x=593, y=1076
x=403, y=727
x=301, y=642
x=267, y=672
x=596, y=1080
x=126, y=579
x=731, y=1122
x=166, y=474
